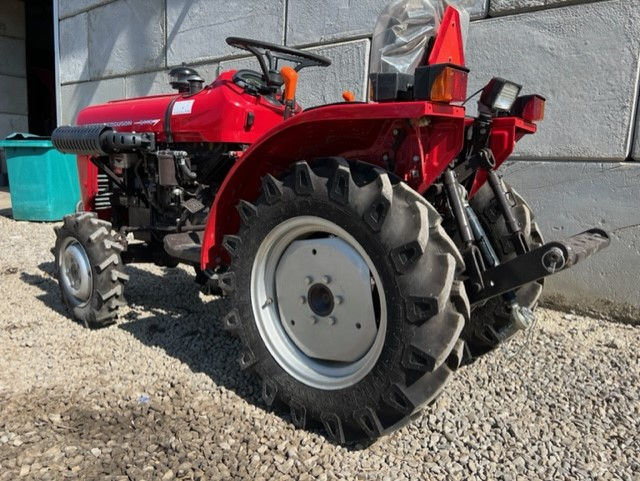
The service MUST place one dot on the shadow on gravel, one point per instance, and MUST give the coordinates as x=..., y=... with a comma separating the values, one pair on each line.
x=50, y=296
x=166, y=311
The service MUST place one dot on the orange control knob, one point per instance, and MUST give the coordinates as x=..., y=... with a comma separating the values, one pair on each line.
x=290, y=77
x=348, y=96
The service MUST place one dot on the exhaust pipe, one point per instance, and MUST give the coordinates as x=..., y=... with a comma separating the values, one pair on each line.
x=97, y=140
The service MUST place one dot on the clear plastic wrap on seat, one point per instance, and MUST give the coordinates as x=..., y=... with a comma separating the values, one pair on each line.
x=404, y=29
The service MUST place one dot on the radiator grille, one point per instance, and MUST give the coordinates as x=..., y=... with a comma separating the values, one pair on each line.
x=103, y=197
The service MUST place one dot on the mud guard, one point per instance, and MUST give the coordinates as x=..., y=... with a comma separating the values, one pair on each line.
x=362, y=131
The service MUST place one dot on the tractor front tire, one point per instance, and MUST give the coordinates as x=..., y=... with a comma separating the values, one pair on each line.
x=89, y=269
x=344, y=294
x=487, y=319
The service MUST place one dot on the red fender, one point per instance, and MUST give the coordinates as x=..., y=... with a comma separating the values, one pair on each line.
x=362, y=131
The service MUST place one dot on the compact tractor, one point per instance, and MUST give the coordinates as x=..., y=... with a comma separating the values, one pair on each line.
x=366, y=249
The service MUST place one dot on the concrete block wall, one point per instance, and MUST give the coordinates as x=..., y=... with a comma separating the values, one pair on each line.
x=583, y=55
x=13, y=75
x=13, y=69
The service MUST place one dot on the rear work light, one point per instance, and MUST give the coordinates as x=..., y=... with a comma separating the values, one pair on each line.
x=500, y=94
x=441, y=83
x=529, y=108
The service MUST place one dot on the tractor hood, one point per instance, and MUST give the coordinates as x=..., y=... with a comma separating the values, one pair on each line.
x=220, y=112
x=404, y=30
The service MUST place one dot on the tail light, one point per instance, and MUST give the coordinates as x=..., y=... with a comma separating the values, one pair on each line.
x=441, y=83
x=529, y=108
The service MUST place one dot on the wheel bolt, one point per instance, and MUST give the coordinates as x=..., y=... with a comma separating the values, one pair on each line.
x=326, y=279
x=314, y=319
x=332, y=320
x=339, y=299
x=303, y=300
x=308, y=280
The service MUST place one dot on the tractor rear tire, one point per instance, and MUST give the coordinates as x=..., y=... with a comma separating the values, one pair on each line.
x=418, y=305
x=89, y=269
x=487, y=319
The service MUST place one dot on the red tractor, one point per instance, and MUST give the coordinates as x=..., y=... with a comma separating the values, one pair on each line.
x=367, y=249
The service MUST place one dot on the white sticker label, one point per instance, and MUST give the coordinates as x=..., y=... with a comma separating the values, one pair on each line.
x=182, y=107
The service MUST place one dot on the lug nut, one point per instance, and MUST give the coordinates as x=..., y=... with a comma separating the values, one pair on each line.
x=339, y=299
x=303, y=300
x=332, y=320
x=326, y=279
x=308, y=280
x=314, y=319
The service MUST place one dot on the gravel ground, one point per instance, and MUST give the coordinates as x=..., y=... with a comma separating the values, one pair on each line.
x=160, y=396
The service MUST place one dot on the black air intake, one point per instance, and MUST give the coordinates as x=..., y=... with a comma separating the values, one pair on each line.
x=99, y=140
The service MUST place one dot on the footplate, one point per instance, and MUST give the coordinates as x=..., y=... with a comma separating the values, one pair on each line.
x=544, y=261
x=184, y=246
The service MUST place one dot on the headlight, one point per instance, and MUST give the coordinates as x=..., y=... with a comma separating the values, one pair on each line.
x=500, y=94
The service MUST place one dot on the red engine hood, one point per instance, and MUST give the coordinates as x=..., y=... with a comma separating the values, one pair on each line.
x=221, y=112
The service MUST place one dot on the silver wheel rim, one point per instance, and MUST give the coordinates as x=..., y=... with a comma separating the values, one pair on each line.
x=268, y=307
x=75, y=272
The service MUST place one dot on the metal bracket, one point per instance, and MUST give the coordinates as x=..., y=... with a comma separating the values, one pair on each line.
x=513, y=226
x=544, y=261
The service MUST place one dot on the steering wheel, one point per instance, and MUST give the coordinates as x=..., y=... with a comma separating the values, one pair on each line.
x=268, y=55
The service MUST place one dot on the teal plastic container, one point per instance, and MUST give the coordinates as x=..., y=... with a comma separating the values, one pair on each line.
x=43, y=182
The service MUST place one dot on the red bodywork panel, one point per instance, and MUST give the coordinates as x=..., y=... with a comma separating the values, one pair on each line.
x=351, y=130
x=218, y=113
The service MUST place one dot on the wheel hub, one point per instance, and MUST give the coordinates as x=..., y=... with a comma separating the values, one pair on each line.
x=324, y=294
x=318, y=302
x=75, y=271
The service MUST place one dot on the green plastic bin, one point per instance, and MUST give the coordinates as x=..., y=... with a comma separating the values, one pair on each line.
x=42, y=181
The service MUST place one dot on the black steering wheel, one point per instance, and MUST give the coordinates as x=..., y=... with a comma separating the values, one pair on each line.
x=268, y=55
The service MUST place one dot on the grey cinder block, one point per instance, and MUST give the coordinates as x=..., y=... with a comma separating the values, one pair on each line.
x=77, y=96
x=13, y=95
x=507, y=7
x=67, y=8
x=310, y=21
x=74, y=48
x=12, y=57
x=196, y=30
x=583, y=59
x=570, y=197
x=12, y=18
x=126, y=37
x=348, y=71
x=152, y=83
x=10, y=123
